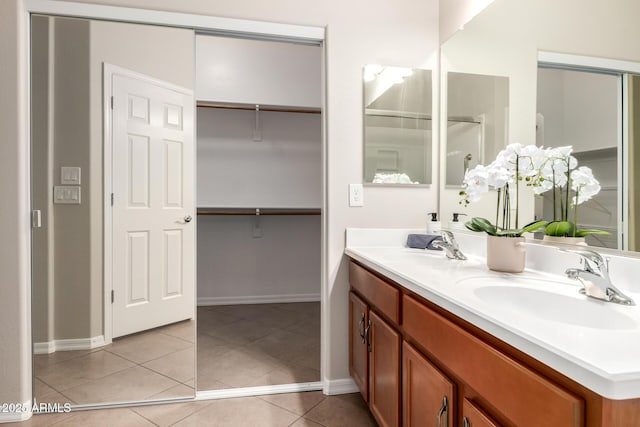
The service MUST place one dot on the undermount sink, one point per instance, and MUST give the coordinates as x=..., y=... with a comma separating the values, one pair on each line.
x=548, y=300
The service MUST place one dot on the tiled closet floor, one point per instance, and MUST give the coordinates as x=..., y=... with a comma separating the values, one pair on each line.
x=256, y=345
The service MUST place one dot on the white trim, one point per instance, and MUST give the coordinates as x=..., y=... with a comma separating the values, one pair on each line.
x=343, y=386
x=258, y=391
x=70, y=344
x=107, y=217
x=623, y=162
x=588, y=62
x=325, y=344
x=177, y=19
x=259, y=299
x=14, y=417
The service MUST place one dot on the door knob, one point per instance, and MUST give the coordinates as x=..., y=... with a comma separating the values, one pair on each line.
x=187, y=218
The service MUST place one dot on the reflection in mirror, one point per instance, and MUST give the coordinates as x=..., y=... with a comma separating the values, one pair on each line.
x=507, y=39
x=477, y=121
x=80, y=356
x=579, y=107
x=397, y=125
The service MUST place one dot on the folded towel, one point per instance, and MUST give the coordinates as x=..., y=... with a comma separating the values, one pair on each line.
x=423, y=241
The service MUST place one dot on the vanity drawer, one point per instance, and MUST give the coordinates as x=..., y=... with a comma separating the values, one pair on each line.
x=521, y=395
x=379, y=294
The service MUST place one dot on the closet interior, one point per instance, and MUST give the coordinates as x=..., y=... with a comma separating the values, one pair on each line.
x=259, y=198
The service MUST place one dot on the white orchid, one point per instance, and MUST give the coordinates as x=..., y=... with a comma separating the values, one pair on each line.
x=475, y=183
x=542, y=169
x=584, y=184
x=513, y=164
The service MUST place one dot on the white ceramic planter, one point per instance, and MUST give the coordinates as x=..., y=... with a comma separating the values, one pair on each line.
x=558, y=240
x=506, y=254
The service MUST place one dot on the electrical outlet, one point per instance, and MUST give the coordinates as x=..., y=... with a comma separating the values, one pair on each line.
x=356, y=195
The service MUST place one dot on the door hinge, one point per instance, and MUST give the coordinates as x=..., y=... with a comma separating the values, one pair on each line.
x=112, y=296
x=112, y=102
x=111, y=199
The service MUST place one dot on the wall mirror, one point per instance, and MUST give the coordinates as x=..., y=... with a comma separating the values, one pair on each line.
x=397, y=126
x=521, y=41
x=80, y=356
x=477, y=121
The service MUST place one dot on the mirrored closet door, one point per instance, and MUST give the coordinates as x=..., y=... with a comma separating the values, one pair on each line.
x=259, y=150
x=112, y=152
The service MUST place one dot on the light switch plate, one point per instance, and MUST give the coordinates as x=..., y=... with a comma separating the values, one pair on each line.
x=69, y=175
x=66, y=194
x=356, y=195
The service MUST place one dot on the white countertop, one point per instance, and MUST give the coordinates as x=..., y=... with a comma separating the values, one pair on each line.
x=601, y=351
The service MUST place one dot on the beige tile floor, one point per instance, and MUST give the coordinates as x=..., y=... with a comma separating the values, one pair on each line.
x=255, y=345
x=310, y=409
x=238, y=346
x=155, y=363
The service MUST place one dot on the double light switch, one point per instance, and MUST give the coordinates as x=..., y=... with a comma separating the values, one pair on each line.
x=69, y=192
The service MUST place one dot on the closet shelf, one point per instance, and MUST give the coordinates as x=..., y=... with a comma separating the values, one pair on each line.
x=258, y=211
x=258, y=107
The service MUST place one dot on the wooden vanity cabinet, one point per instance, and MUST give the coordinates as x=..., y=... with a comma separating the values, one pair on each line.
x=485, y=381
x=384, y=372
x=472, y=416
x=358, y=347
x=428, y=396
x=374, y=361
x=374, y=344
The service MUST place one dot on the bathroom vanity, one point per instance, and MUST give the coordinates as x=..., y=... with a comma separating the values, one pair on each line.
x=424, y=353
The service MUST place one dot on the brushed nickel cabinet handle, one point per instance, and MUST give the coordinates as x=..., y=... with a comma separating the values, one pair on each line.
x=444, y=410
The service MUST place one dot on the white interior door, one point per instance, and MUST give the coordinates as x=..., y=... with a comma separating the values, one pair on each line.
x=152, y=205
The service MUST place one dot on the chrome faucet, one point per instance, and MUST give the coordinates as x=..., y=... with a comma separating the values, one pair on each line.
x=595, y=277
x=450, y=246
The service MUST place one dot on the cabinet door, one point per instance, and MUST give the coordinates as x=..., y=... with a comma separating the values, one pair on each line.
x=358, y=352
x=428, y=395
x=384, y=372
x=474, y=417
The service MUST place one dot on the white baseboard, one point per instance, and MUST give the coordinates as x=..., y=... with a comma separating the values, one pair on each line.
x=341, y=386
x=66, y=345
x=18, y=416
x=258, y=299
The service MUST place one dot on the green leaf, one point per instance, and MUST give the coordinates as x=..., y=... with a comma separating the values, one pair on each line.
x=582, y=233
x=560, y=228
x=533, y=226
x=481, y=225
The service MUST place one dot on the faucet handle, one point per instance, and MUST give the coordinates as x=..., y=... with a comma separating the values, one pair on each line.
x=448, y=237
x=592, y=260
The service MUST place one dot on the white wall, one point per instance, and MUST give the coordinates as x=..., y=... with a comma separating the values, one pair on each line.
x=580, y=109
x=401, y=33
x=282, y=170
x=266, y=73
x=454, y=14
x=278, y=262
